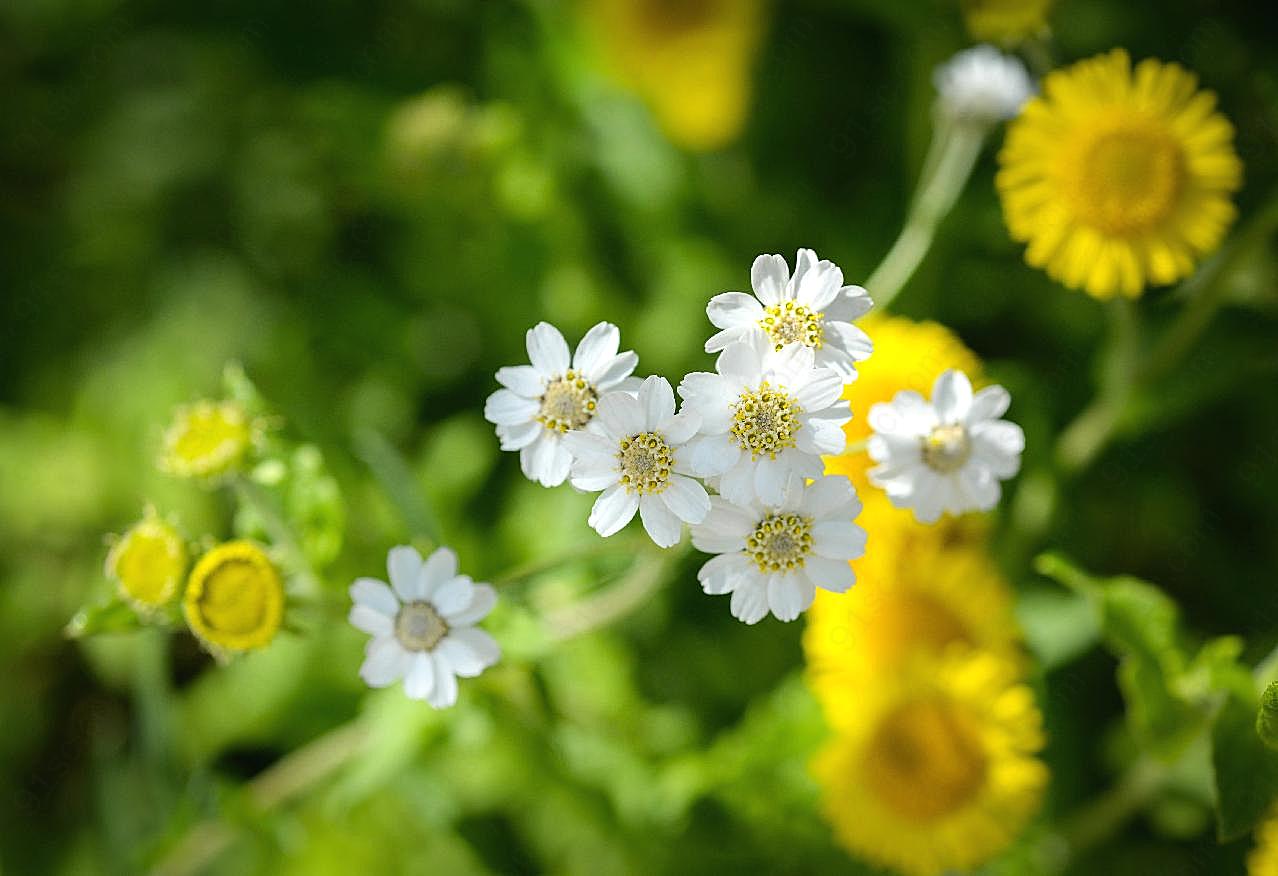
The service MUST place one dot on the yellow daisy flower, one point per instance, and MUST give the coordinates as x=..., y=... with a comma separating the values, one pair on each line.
x=922, y=597
x=1119, y=178
x=1005, y=21
x=207, y=439
x=234, y=598
x=688, y=59
x=934, y=767
x=148, y=562
x=1263, y=860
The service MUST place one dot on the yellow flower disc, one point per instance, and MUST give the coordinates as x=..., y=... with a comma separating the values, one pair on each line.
x=936, y=769
x=207, y=439
x=921, y=597
x=234, y=598
x=148, y=562
x=1119, y=178
x=1263, y=860
x=1005, y=21
x=689, y=60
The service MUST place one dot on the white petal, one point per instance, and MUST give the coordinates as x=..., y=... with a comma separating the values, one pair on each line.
x=440, y=568
x=733, y=310
x=591, y=478
x=548, y=461
x=419, y=680
x=503, y=407
x=590, y=449
x=769, y=276
x=721, y=339
x=771, y=478
x=737, y=483
x=596, y=350
x=750, y=600
x=821, y=437
x=980, y=489
x=657, y=400
x=369, y=620
x=821, y=390
x=519, y=436
x=469, y=651
x=852, y=302
x=741, y=362
x=453, y=595
x=848, y=338
x=711, y=455
x=620, y=414
x=838, y=539
x=614, y=508
x=723, y=573
x=789, y=595
x=522, y=380
x=952, y=396
x=445, y=693
x=819, y=285
x=989, y=404
x=679, y=428
x=376, y=595
x=660, y=522
x=686, y=499
x=384, y=663
x=997, y=445
x=482, y=599
x=547, y=349
x=829, y=495
x=907, y=414
x=833, y=575
x=403, y=563
x=614, y=373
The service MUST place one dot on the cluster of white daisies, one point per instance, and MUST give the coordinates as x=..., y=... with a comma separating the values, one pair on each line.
x=739, y=461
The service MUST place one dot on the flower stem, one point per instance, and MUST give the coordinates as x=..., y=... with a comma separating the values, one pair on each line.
x=951, y=157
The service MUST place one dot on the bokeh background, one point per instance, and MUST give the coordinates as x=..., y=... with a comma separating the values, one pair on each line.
x=367, y=205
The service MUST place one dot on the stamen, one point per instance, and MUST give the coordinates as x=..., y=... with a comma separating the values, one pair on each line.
x=780, y=543
x=947, y=448
x=791, y=322
x=646, y=461
x=568, y=403
x=765, y=421
x=419, y=627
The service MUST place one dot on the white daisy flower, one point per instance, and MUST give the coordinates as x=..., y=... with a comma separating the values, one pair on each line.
x=981, y=84
x=772, y=558
x=543, y=401
x=947, y=455
x=634, y=452
x=767, y=416
x=423, y=625
x=812, y=308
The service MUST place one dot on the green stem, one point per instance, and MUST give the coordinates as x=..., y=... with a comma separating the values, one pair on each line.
x=1104, y=816
x=946, y=171
x=608, y=606
x=281, y=533
x=597, y=548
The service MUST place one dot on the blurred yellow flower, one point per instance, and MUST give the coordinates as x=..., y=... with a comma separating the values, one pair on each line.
x=922, y=596
x=689, y=60
x=234, y=598
x=207, y=439
x=934, y=766
x=148, y=562
x=1263, y=860
x=1118, y=178
x=1005, y=21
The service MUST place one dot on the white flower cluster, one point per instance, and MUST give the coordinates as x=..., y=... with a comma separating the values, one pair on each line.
x=739, y=461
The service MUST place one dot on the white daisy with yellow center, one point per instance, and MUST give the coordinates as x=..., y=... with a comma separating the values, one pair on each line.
x=634, y=452
x=767, y=416
x=542, y=402
x=812, y=308
x=423, y=625
x=946, y=455
x=773, y=557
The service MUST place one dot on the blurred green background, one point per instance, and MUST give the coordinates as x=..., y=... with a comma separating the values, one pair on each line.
x=367, y=205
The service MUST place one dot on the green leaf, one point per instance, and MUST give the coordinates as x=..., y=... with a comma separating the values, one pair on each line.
x=1267, y=717
x=1246, y=770
x=113, y=616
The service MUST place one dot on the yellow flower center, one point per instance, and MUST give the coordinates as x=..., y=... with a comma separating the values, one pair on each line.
x=646, y=460
x=789, y=323
x=671, y=18
x=568, y=403
x=780, y=543
x=148, y=563
x=907, y=621
x=926, y=759
x=235, y=597
x=764, y=421
x=207, y=439
x=1125, y=177
x=946, y=448
x=418, y=626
